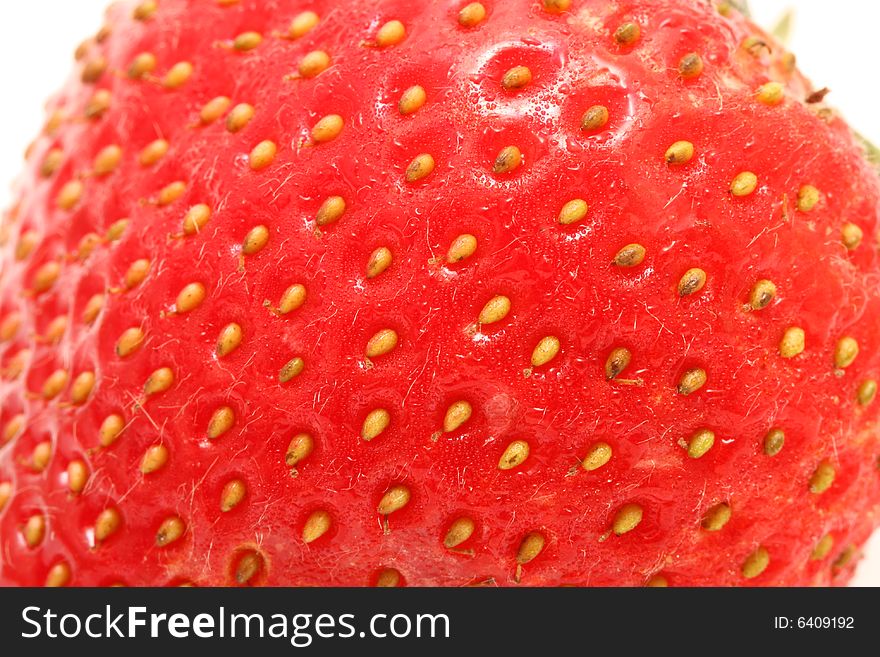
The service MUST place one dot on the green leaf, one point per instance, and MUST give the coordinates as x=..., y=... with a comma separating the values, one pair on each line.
x=872, y=153
x=783, y=28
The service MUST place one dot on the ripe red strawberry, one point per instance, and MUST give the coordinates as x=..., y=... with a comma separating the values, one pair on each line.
x=325, y=292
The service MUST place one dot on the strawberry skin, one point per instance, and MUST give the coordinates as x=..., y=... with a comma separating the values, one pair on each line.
x=537, y=292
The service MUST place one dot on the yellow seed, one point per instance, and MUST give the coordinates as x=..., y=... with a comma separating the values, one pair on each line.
x=394, y=499
x=255, y=240
x=52, y=162
x=595, y=118
x=388, y=578
x=514, y=455
x=190, y=297
x=330, y=211
x=98, y=104
x=390, y=34
x=691, y=381
x=239, y=117
x=573, y=211
x=154, y=459
x=107, y=159
x=302, y=24
x=627, y=518
x=159, y=381
x=700, y=443
x=10, y=326
x=56, y=329
x=412, y=100
x=771, y=93
x=681, y=152
x=137, y=272
x=26, y=244
x=462, y=247
x=792, y=342
x=232, y=494
x=110, y=429
x=823, y=548
x=618, y=360
x=58, y=575
x=70, y=195
x=46, y=276
x=379, y=261
x=247, y=41
x=691, y=282
x=472, y=15
x=171, y=192
x=846, y=351
x=421, y=166
x=292, y=299
x=598, y=455
x=292, y=369
x=82, y=388
x=744, y=184
x=116, y=230
x=221, y=421
x=171, y=529
x=178, y=75
x=545, y=351
x=316, y=526
x=756, y=563
x=142, y=65
x=263, y=155
x=495, y=310
x=16, y=365
x=808, y=197
x=229, y=340
x=153, y=152
x=556, y=6
x=41, y=456
x=631, y=255
x=107, y=524
x=54, y=384
x=627, y=34
x=301, y=445
x=845, y=557
x=77, y=476
x=459, y=531
x=327, y=128
x=375, y=423
x=249, y=566
x=867, y=392
x=381, y=343
x=508, y=160
x=774, y=441
x=822, y=478
x=5, y=494
x=457, y=414
x=530, y=547
x=715, y=518
x=516, y=77
x=851, y=236
x=214, y=109
x=129, y=342
x=313, y=64
x=145, y=10
x=657, y=581
x=34, y=530
x=690, y=66
x=12, y=428
x=93, y=70
x=762, y=294
x=87, y=245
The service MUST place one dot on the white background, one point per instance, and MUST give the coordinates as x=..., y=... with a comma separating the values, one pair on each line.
x=833, y=41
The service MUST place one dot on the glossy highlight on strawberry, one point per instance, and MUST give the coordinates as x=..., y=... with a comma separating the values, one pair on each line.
x=533, y=292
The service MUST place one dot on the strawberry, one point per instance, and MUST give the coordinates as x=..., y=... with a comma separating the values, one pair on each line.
x=538, y=292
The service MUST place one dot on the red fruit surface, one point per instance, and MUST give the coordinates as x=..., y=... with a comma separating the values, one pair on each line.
x=155, y=505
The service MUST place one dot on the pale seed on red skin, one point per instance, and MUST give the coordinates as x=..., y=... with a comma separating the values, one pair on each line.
x=190, y=298
x=822, y=477
x=54, y=384
x=214, y=109
x=330, y=211
x=823, y=548
x=573, y=211
x=412, y=100
x=390, y=34
x=142, y=65
x=496, y=309
x=292, y=299
x=421, y=167
x=196, y=219
x=81, y=388
x=69, y=196
x=292, y=369
x=545, y=351
x=159, y=381
x=327, y=128
x=170, y=531
x=153, y=152
x=808, y=197
x=34, y=530
x=317, y=524
x=774, y=441
x=627, y=34
x=247, y=41
x=394, y=499
x=631, y=255
x=232, y=495
x=46, y=277
x=744, y=184
x=381, y=343
x=229, y=340
x=302, y=24
x=388, y=578
x=530, y=547
x=681, y=152
x=851, y=236
x=379, y=261
x=459, y=531
x=110, y=429
x=221, y=421
x=456, y=415
x=155, y=458
x=627, y=518
x=300, y=447
x=77, y=476
x=762, y=294
x=595, y=118
x=375, y=423
x=514, y=455
x=255, y=240
x=462, y=247
x=845, y=352
x=793, y=342
x=107, y=523
x=178, y=75
x=556, y=6
x=508, y=160
x=516, y=78
x=262, y=155
x=756, y=563
x=41, y=456
x=716, y=517
x=771, y=93
x=691, y=282
x=239, y=117
x=129, y=342
x=313, y=64
x=472, y=14
x=59, y=575
x=98, y=104
x=597, y=456
x=136, y=273
x=690, y=66
x=691, y=381
x=171, y=192
x=618, y=360
x=250, y=565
